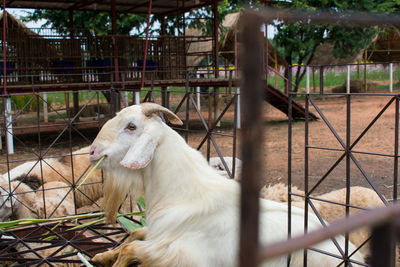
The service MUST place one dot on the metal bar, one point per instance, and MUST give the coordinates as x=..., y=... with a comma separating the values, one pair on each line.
x=391, y=77
x=306, y=200
x=327, y=17
x=235, y=114
x=396, y=150
x=367, y=218
x=321, y=80
x=252, y=137
x=215, y=37
x=348, y=151
x=290, y=140
x=146, y=45
x=383, y=245
x=4, y=49
x=354, y=143
x=187, y=120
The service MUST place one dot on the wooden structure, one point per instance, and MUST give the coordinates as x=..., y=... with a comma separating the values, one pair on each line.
x=386, y=46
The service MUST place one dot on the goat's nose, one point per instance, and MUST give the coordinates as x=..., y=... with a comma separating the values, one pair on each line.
x=92, y=150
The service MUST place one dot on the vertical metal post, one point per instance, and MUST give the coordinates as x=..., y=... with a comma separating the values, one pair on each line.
x=146, y=45
x=365, y=71
x=164, y=96
x=137, y=97
x=215, y=33
x=198, y=94
x=234, y=174
x=391, y=77
x=236, y=55
x=216, y=108
x=290, y=123
x=252, y=137
x=4, y=49
x=238, y=117
x=187, y=119
x=115, y=44
x=348, y=151
x=306, y=199
x=348, y=80
x=321, y=80
x=383, y=245
x=307, y=79
x=289, y=81
x=9, y=127
x=40, y=151
x=45, y=111
x=396, y=150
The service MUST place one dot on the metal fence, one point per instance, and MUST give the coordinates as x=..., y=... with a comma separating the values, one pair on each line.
x=383, y=221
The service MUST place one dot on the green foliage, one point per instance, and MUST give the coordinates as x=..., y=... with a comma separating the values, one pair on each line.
x=98, y=23
x=27, y=103
x=298, y=41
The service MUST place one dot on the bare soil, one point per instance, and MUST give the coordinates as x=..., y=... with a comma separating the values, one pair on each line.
x=379, y=139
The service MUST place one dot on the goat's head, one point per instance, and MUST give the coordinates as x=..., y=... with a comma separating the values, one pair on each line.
x=128, y=142
x=130, y=138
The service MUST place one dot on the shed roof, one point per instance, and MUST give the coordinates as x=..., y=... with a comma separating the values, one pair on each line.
x=324, y=56
x=386, y=46
x=165, y=7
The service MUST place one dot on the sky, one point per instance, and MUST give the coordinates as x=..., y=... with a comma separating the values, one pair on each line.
x=17, y=12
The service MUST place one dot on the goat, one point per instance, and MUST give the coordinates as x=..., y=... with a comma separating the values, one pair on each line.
x=192, y=212
x=361, y=197
x=217, y=164
x=56, y=173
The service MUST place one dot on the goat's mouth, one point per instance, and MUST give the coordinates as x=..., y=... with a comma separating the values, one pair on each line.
x=94, y=160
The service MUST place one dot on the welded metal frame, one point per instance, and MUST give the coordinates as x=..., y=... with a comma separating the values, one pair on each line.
x=45, y=244
x=249, y=217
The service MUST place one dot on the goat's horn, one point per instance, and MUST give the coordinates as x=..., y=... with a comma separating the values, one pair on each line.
x=150, y=108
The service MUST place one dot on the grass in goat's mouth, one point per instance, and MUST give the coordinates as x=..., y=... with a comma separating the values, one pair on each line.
x=91, y=171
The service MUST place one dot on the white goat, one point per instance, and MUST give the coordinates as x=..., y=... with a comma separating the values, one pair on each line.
x=217, y=164
x=192, y=211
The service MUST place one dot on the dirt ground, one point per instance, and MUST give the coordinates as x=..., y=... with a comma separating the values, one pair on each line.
x=379, y=139
x=363, y=109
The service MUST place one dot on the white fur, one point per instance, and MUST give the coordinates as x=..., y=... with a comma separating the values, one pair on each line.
x=217, y=164
x=192, y=211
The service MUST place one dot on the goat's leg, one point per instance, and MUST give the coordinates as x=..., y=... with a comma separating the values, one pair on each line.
x=109, y=257
x=129, y=253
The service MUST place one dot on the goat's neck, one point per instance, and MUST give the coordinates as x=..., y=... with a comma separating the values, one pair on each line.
x=177, y=173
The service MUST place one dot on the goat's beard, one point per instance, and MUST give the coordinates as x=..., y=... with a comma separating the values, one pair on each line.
x=115, y=189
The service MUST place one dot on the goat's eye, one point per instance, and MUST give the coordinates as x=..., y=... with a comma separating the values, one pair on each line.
x=131, y=126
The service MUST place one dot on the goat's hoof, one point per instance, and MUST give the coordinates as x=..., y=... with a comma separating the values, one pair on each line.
x=105, y=259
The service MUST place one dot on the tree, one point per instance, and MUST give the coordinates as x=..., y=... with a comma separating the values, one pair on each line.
x=298, y=41
x=98, y=23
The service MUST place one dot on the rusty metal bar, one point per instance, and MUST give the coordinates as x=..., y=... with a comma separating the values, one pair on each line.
x=252, y=137
x=146, y=45
x=115, y=43
x=4, y=49
x=367, y=218
x=215, y=37
x=348, y=170
x=320, y=17
x=306, y=174
x=396, y=150
x=383, y=246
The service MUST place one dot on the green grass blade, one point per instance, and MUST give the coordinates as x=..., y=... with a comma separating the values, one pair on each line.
x=91, y=171
x=128, y=224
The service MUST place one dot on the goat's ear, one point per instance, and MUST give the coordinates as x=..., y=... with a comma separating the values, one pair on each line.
x=141, y=153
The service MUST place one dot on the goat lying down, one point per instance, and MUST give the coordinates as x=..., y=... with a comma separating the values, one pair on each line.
x=192, y=211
